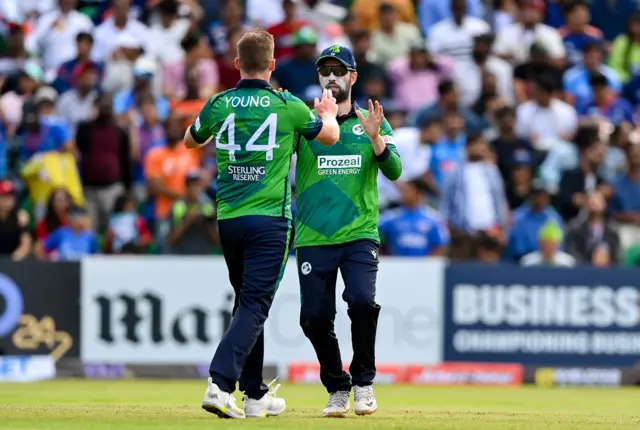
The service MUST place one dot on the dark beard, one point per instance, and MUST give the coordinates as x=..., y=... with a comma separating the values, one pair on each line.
x=340, y=95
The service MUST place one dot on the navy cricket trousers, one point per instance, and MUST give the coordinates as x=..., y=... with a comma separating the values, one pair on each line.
x=318, y=272
x=255, y=249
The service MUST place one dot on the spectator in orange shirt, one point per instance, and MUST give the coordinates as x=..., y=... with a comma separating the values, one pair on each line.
x=166, y=169
x=283, y=32
x=368, y=11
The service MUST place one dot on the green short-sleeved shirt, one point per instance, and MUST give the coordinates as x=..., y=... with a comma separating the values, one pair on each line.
x=254, y=127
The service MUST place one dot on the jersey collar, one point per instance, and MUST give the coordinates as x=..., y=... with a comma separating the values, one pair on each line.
x=252, y=83
x=351, y=113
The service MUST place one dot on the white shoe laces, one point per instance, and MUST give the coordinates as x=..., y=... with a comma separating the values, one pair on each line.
x=273, y=390
x=363, y=393
x=338, y=399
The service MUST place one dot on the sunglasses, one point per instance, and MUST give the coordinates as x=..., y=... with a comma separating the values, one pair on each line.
x=337, y=71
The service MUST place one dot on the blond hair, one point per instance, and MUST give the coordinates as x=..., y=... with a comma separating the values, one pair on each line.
x=255, y=51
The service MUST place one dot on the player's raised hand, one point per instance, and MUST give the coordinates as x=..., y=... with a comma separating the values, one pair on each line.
x=326, y=105
x=372, y=123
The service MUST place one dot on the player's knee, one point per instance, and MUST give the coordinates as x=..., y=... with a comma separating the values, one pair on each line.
x=360, y=300
x=315, y=322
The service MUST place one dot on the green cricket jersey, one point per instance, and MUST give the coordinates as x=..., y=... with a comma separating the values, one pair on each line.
x=337, y=186
x=254, y=130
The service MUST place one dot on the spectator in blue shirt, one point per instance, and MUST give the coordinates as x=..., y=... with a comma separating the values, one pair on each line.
x=413, y=230
x=578, y=33
x=431, y=12
x=528, y=220
x=625, y=203
x=575, y=81
x=71, y=242
x=449, y=152
x=39, y=134
x=611, y=17
x=71, y=70
x=124, y=101
x=606, y=103
x=299, y=72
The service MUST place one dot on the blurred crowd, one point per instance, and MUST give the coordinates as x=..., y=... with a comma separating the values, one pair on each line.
x=515, y=121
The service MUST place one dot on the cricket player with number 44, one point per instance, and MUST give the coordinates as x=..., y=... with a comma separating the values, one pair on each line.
x=337, y=229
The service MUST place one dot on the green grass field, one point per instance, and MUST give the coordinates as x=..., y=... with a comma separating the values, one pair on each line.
x=163, y=405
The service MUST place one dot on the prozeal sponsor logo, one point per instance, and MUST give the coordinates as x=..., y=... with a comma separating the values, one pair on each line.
x=246, y=173
x=339, y=164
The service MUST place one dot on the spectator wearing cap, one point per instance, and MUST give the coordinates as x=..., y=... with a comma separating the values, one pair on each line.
x=545, y=120
x=607, y=104
x=71, y=242
x=127, y=102
x=431, y=12
x=166, y=34
x=127, y=232
x=413, y=229
x=284, y=31
x=196, y=60
x=508, y=142
x=575, y=81
x=299, y=72
x=420, y=69
x=41, y=132
x=54, y=36
x=105, y=167
x=473, y=199
x=587, y=234
x=368, y=11
x=12, y=102
x=121, y=22
x=576, y=183
x=70, y=71
x=550, y=238
x=577, y=33
x=519, y=182
x=612, y=20
x=625, y=203
x=513, y=42
x=526, y=74
x=468, y=76
x=15, y=238
x=624, y=56
x=453, y=36
x=76, y=105
x=394, y=38
x=449, y=100
x=193, y=221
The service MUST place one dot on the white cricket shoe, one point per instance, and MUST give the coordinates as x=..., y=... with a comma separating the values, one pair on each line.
x=338, y=405
x=268, y=406
x=364, y=401
x=220, y=403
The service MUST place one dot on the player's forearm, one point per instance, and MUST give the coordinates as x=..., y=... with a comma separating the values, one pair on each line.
x=388, y=159
x=191, y=143
x=330, y=132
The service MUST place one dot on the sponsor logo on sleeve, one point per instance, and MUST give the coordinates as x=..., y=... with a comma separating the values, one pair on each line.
x=197, y=124
x=246, y=173
x=387, y=139
x=339, y=164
